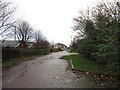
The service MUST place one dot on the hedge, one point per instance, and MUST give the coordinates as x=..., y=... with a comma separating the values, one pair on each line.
x=9, y=53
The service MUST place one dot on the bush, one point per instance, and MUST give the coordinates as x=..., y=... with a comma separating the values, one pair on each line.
x=9, y=53
x=101, y=39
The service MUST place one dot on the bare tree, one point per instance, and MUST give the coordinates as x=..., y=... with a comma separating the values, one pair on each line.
x=38, y=36
x=6, y=17
x=80, y=24
x=41, y=42
x=104, y=14
x=23, y=33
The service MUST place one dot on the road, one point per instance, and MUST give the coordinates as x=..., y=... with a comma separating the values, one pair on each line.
x=45, y=72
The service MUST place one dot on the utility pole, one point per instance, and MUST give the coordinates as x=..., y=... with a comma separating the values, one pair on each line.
x=118, y=18
x=14, y=29
x=118, y=7
x=15, y=34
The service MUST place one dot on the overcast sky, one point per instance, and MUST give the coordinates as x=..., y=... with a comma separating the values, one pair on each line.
x=53, y=17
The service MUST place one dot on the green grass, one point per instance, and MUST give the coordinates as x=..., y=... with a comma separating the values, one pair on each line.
x=16, y=60
x=84, y=64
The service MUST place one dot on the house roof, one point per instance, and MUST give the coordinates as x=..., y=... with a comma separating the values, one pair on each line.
x=60, y=44
x=10, y=43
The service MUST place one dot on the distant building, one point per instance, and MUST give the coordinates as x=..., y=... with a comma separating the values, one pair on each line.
x=28, y=45
x=15, y=44
x=61, y=46
x=9, y=43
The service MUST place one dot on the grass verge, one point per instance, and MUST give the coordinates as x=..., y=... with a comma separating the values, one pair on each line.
x=84, y=64
x=17, y=60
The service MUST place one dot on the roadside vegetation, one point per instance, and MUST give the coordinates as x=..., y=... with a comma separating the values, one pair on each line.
x=9, y=53
x=11, y=56
x=84, y=64
x=14, y=61
x=98, y=38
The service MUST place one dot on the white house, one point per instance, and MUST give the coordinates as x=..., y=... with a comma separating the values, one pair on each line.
x=61, y=46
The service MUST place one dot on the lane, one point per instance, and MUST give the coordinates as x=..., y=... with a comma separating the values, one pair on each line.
x=45, y=72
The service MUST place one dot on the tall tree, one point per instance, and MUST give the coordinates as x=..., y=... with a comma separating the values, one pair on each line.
x=6, y=18
x=100, y=28
x=38, y=36
x=24, y=33
x=41, y=42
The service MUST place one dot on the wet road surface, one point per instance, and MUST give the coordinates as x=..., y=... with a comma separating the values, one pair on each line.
x=45, y=72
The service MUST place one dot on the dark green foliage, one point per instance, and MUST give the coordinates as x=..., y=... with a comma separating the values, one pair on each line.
x=102, y=40
x=9, y=53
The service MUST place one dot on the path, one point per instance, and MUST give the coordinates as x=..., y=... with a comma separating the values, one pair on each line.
x=44, y=72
